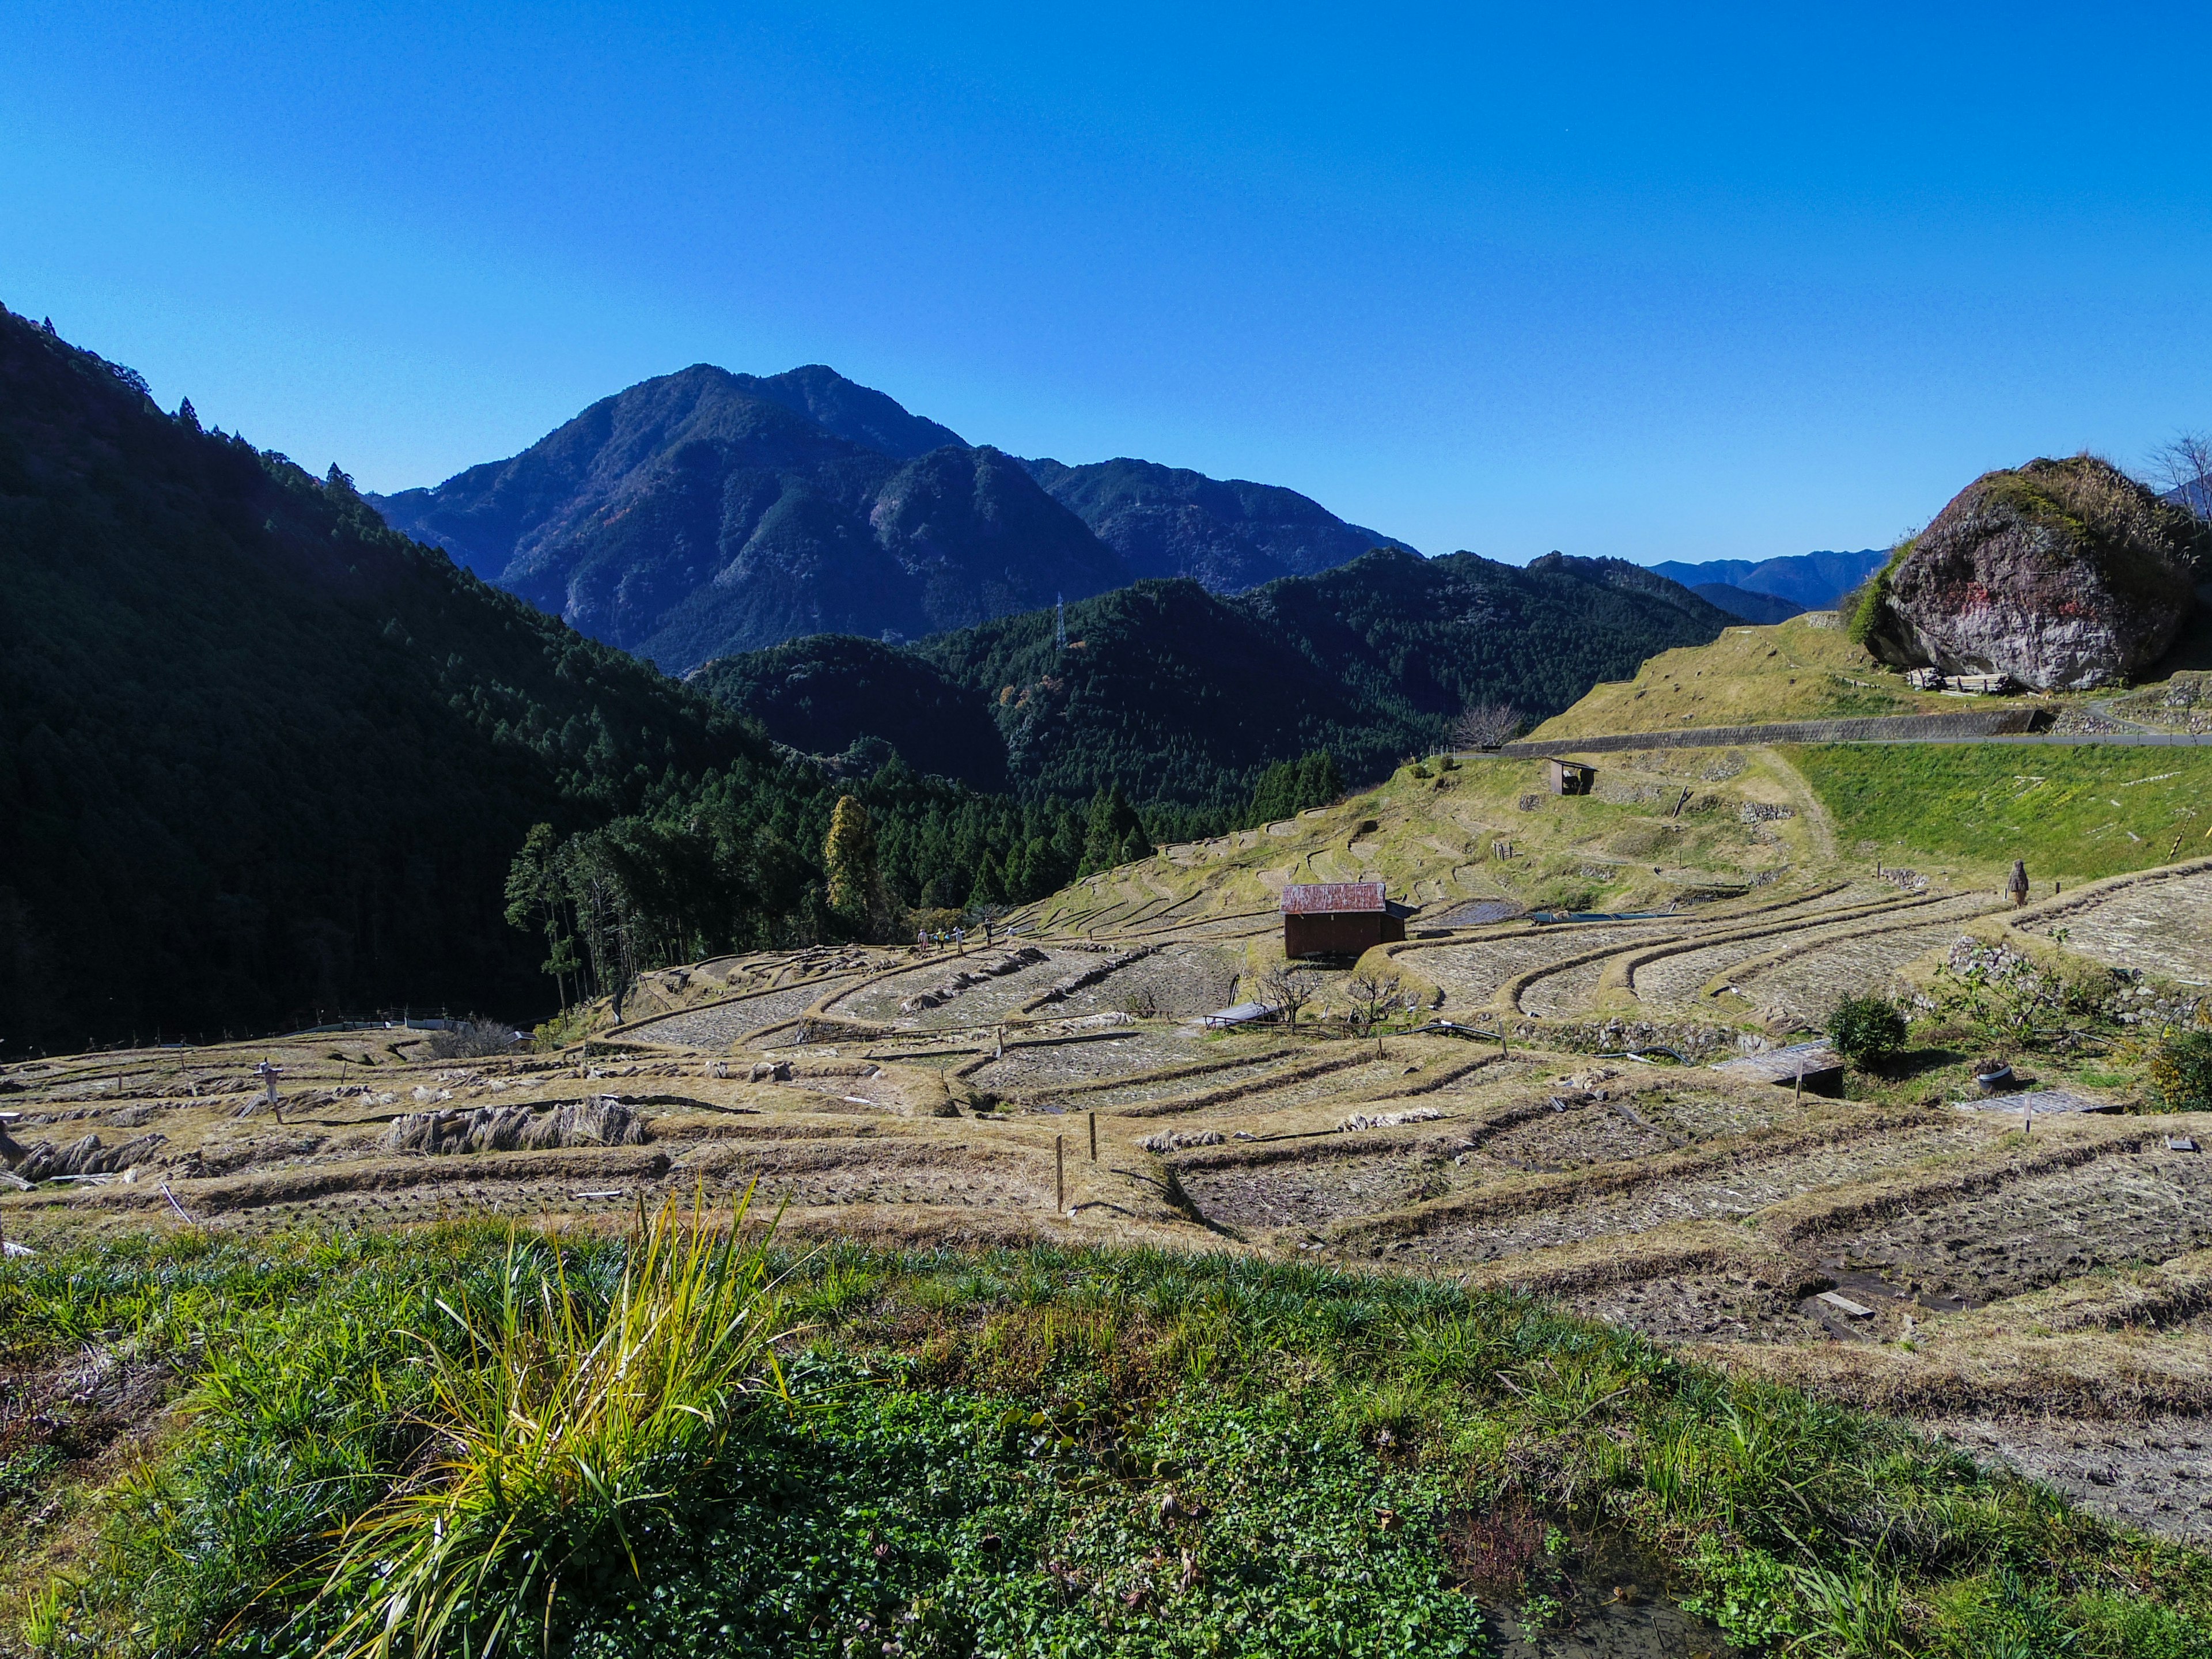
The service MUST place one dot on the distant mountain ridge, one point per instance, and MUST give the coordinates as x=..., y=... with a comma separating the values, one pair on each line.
x=1229, y=535
x=1742, y=602
x=705, y=513
x=1181, y=696
x=1813, y=582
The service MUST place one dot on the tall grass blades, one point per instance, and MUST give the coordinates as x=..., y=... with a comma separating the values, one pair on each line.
x=560, y=1439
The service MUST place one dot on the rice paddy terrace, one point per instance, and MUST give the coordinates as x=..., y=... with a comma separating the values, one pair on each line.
x=2037, y=1286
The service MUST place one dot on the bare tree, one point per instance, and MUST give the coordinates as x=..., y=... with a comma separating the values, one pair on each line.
x=1486, y=725
x=1287, y=990
x=1373, y=997
x=2185, y=467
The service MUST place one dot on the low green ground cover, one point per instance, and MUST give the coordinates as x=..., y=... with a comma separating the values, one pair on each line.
x=1040, y=1452
x=2072, y=810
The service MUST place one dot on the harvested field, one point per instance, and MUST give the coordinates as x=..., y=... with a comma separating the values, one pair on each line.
x=2123, y=1208
x=1697, y=1209
x=2165, y=923
x=2154, y=1474
x=1672, y=980
x=719, y=1027
x=1808, y=982
x=1043, y=1068
x=1707, y=1187
x=983, y=997
x=1178, y=982
x=1473, y=972
x=1308, y=1192
x=1171, y=1080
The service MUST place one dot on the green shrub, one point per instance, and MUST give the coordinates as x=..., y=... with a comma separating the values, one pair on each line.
x=1865, y=604
x=1866, y=1027
x=2180, y=1072
x=1747, y=1592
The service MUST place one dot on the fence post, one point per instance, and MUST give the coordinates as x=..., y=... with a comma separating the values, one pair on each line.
x=1059, y=1174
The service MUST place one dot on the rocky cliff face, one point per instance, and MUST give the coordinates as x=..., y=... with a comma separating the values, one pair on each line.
x=2066, y=574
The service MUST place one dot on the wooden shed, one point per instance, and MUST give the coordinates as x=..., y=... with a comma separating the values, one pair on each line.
x=1571, y=777
x=1340, y=918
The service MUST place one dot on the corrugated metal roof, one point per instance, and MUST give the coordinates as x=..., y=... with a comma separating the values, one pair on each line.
x=1332, y=897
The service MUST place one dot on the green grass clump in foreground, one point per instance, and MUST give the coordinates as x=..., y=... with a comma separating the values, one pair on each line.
x=2071, y=810
x=1113, y=1454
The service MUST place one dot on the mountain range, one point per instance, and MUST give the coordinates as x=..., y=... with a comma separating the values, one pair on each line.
x=1182, y=696
x=703, y=513
x=1808, y=581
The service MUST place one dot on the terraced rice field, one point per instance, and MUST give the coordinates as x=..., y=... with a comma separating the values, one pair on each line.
x=1473, y=973
x=721, y=1026
x=987, y=999
x=1808, y=982
x=2165, y=923
x=1699, y=1207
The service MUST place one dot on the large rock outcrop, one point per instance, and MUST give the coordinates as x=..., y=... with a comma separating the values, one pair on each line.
x=2065, y=575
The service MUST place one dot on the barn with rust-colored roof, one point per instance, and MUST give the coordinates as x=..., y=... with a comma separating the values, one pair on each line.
x=1340, y=918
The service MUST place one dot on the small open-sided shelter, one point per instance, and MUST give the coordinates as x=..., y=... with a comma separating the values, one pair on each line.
x=1571, y=777
x=1340, y=918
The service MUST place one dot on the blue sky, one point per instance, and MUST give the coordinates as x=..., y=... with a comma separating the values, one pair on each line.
x=1658, y=283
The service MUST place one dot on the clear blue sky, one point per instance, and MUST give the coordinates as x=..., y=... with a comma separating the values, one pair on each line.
x=1655, y=281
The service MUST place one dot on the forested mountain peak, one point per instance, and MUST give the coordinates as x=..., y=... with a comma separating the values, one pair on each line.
x=1182, y=697
x=856, y=413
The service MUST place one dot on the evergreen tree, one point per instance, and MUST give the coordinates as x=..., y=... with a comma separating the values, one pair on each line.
x=1318, y=783
x=185, y=413
x=849, y=861
x=533, y=898
x=1113, y=834
x=988, y=889
x=1271, y=797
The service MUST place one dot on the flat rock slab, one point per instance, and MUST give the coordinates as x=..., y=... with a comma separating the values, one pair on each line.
x=1820, y=1066
x=1846, y=1306
x=2035, y=1101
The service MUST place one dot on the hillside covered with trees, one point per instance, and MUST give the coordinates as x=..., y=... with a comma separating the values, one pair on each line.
x=1183, y=698
x=267, y=760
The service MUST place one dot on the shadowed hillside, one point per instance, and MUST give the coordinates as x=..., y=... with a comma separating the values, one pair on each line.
x=265, y=755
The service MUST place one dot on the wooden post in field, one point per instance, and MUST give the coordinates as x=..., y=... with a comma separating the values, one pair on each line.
x=1093, y=1116
x=1059, y=1174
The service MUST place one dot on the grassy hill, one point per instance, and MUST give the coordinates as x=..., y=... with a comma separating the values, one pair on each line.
x=1099, y=1454
x=1801, y=669
x=2074, y=812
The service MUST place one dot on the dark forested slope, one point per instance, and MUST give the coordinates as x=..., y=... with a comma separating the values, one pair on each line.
x=260, y=755
x=1180, y=695
x=828, y=694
